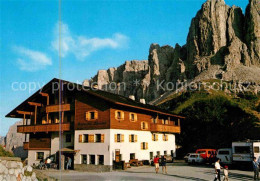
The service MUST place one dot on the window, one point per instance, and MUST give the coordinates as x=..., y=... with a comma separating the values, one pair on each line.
x=151, y=155
x=154, y=120
x=92, y=159
x=176, y=122
x=133, y=117
x=165, y=121
x=165, y=152
x=158, y=153
x=223, y=152
x=242, y=149
x=132, y=138
x=165, y=137
x=40, y=155
x=100, y=159
x=144, y=125
x=119, y=138
x=68, y=138
x=256, y=149
x=119, y=115
x=99, y=138
x=86, y=138
x=144, y=146
x=83, y=159
x=91, y=115
x=132, y=156
x=155, y=137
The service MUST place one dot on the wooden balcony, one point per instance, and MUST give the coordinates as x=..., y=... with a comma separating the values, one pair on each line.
x=43, y=128
x=26, y=145
x=58, y=108
x=165, y=128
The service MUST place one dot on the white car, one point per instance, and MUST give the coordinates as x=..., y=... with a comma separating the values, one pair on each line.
x=186, y=157
x=195, y=158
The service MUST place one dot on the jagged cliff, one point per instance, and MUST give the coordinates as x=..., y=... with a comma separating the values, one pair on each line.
x=222, y=43
x=13, y=141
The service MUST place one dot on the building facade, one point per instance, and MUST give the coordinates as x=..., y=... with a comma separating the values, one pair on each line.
x=93, y=127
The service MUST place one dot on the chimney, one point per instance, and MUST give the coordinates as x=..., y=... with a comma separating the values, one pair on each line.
x=132, y=97
x=142, y=101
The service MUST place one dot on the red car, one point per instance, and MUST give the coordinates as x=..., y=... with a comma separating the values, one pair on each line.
x=209, y=155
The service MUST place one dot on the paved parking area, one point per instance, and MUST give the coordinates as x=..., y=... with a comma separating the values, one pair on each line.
x=175, y=172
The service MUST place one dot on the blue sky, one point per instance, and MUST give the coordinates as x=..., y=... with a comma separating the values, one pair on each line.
x=95, y=35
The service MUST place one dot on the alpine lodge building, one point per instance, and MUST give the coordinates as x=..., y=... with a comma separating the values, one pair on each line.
x=95, y=128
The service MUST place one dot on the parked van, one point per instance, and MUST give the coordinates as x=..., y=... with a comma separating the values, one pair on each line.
x=225, y=155
x=245, y=151
x=209, y=155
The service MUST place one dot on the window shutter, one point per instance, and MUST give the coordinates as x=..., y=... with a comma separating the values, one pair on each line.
x=91, y=138
x=163, y=137
x=135, y=117
x=142, y=146
x=123, y=115
x=115, y=137
x=122, y=138
x=166, y=137
x=96, y=115
x=80, y=138
x=116, y=114
x=130, y=136
x=156, y=137
x=135, y=138
x=146, y=145
x=87, y=116
x=152, y=137
x=102, y=138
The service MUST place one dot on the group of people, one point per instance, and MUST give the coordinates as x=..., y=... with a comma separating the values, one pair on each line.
x=256, y=165
x=218, y=168
x=156, y=161
x=45, y=163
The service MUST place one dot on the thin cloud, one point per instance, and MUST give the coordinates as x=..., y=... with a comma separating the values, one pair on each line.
x=31, y=60
x=81, y=46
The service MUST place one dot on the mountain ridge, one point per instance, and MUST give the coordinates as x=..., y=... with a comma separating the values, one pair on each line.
x=222, y=43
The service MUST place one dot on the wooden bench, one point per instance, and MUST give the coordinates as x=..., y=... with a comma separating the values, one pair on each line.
x=134, y=162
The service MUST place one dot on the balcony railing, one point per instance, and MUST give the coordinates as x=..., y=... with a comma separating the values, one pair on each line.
x=58, y=108
x=165, y=128
x=43, y=128
x=26, y=145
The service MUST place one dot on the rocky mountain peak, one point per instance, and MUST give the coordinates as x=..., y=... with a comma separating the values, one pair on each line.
x=222, y=43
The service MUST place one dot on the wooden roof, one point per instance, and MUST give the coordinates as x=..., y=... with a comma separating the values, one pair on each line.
x=110, y=97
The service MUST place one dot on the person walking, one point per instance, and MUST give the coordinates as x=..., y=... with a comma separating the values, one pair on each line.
x=156, y=163
x=163, y=160
x=256, y=169
x=217, y=169
x=69, y=163
x=225, y=173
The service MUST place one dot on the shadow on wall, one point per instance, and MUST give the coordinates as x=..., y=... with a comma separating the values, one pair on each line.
x=20, y=152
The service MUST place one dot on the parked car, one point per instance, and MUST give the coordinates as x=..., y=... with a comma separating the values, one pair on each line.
x=209, y=155
x=195, y=158
x=186, y=157
x=225, y=155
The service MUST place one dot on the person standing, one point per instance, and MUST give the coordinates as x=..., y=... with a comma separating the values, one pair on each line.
x=69, y=163
x=217, y=169
x=156, y=163
x=256, y=169
x=163, y=160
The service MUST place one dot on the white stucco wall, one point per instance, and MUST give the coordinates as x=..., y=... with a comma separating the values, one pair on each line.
x=109, y=146
x=55, y=141
x=32, y=156
x=92, y=148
